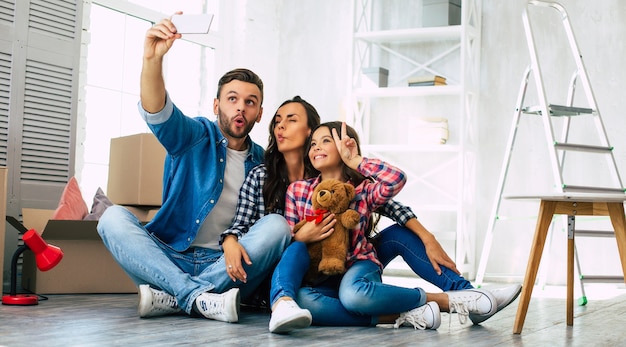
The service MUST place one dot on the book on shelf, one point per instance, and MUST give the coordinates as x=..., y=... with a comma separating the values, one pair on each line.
x=427, y=80
x=427, y=83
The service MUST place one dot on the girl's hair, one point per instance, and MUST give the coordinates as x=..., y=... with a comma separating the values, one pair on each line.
x=277, y=178
x=348, y=174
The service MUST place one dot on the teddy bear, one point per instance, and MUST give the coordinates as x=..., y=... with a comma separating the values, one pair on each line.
x=328, y=256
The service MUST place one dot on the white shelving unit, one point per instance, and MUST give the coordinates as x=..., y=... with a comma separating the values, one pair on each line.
x=441, y=182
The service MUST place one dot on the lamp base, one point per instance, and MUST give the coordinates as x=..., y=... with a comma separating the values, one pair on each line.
x=20, y=299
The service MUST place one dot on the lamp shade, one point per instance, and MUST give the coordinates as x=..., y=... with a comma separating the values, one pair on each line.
x=46, y=256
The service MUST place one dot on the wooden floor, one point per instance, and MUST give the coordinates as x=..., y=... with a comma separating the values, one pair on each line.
x=111, y=320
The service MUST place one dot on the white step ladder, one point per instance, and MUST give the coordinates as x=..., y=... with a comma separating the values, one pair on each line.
x=557, y=147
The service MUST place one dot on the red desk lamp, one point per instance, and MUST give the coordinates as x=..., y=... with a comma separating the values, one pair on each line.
x=46, y=257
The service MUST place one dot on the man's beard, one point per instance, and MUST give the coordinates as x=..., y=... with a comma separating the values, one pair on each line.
x=226, y=126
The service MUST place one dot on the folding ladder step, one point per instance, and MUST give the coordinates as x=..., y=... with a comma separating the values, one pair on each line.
x=584, y=189
x=582, y=148
x=601, y=279
x=559, y=110
x=594, y=233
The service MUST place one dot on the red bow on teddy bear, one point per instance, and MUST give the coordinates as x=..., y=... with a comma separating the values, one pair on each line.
x=317, y=217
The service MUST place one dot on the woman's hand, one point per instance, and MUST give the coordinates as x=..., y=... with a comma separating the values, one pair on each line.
x=311, y=232
x=438, y=256
x=233, y=254
x=435, y=253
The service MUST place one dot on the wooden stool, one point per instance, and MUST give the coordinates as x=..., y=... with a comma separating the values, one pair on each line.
x=571, y=205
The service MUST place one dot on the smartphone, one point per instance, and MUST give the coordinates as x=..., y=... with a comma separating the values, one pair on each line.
x=192, y=23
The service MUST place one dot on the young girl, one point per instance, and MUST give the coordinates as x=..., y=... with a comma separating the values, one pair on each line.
x=358, y=297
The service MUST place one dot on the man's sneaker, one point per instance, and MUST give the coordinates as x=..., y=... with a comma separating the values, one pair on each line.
x=423, y=317
x=472, y=301
x=223, y=307
x=287, y=316
x=153, y=302
x=504, y=296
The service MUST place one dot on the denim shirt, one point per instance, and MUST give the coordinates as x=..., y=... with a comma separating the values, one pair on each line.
x=193, y=173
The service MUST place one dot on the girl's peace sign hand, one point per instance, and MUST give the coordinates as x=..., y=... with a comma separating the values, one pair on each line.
x=347, y=147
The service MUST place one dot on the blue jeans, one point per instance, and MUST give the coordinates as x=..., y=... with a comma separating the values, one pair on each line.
x=188, y=274
x=397, y=240
x=357, y=299
x=289, y=273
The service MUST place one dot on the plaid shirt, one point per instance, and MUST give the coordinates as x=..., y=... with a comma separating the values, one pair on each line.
x=395, y=211
x=370, y=195
x=250, y=206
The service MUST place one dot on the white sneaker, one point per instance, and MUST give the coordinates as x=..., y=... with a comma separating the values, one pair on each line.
x=504, y=296
x=472, y=301
x=223, y=307
x=153, y=302
x=288, y=316
x=423, y=317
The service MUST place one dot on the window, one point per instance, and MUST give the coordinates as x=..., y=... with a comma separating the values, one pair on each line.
x=113, y=64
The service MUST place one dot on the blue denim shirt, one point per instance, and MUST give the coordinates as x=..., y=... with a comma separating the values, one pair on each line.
x=193, y=173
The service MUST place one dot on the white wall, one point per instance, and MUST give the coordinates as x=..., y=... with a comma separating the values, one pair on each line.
x=297, y=47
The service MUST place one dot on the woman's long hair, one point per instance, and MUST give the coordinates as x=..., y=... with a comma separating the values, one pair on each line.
x=277, y=177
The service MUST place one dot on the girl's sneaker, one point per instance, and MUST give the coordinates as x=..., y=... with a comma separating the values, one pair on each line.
x=424, y=317
x=287, y=316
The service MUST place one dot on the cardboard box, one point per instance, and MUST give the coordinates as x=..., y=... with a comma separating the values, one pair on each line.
x=87, y=266
x=3, y=213
x=136, y=170
x=143, y=213
x=441, y=13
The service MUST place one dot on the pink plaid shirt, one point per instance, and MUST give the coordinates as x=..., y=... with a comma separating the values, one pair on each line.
x=370, y=194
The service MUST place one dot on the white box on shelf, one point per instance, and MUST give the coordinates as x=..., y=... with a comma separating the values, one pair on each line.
x=430, y=131
x=441, y=13
x=376, y=77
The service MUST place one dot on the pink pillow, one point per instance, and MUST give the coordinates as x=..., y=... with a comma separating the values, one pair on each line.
x=71, y=206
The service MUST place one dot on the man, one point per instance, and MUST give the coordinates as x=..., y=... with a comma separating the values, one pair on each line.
x=180, y=260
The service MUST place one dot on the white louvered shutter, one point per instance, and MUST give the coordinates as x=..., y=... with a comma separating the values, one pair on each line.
x=38, y=82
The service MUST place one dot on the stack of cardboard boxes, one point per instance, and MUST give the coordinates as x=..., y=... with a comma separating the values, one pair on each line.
x=135, y=181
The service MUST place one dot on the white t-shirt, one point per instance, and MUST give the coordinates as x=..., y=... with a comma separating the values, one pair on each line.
x=222, y=214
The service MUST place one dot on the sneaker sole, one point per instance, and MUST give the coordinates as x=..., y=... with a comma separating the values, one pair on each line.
x=145, y=301
x=436, y=317
x=292, y=324
x=237, y=301
x=235, y=313
x=505, y=304
x=477, y=319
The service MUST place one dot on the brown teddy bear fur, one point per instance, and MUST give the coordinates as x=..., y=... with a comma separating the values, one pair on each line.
x=328, y=256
